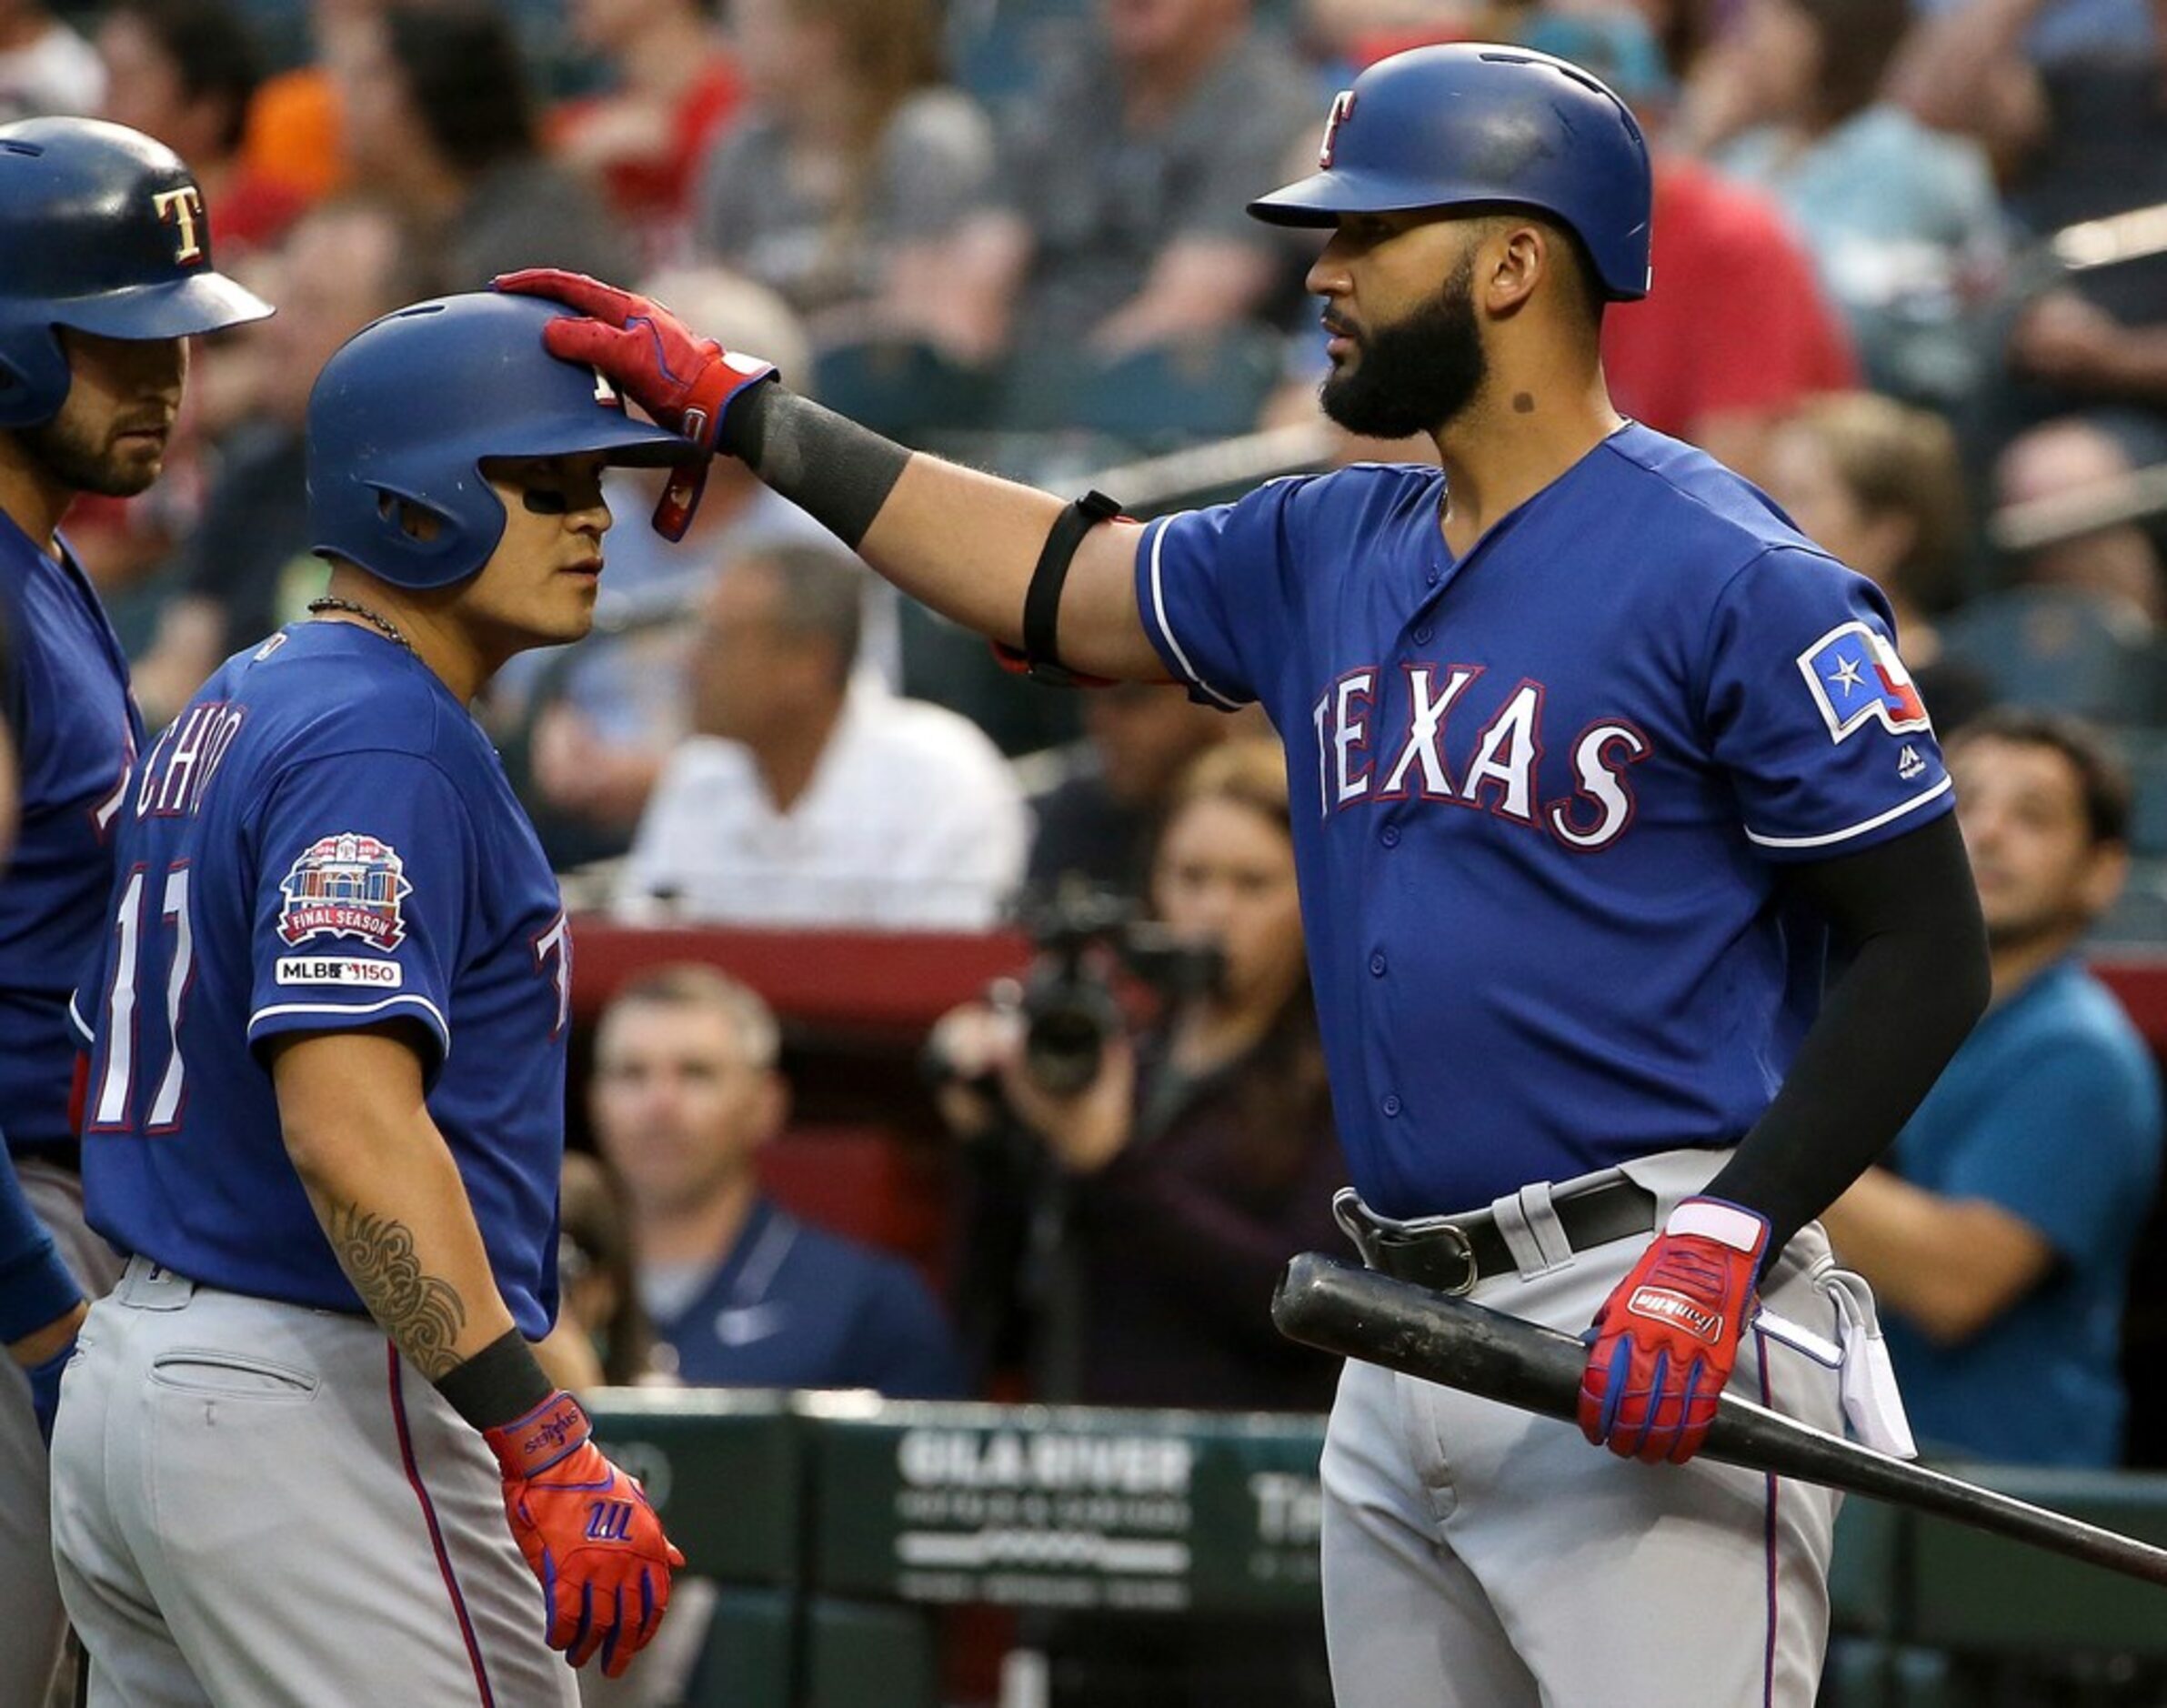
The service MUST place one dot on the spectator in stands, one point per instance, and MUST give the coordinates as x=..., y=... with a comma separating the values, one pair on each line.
x=808, y=795
x=2000, y=1236
x=1096, y=817
x=1200, y=1159
x=672, y=88
x=1119, y=219
x=740, y=1292
x=296, y=128
x=601, y=719
x=185, y=71
x=246, y=569
x=2078, y=139
x=439, y=115
x=846, y=180
x=44, y=66
x=1902, y=221
x=2118, y=563
x=1879, y=484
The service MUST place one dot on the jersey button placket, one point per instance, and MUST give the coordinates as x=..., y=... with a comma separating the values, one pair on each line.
x=1377, y=964
x=1391, y=1105
x=1389, y=835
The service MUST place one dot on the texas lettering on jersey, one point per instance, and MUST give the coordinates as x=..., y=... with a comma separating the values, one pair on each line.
x=1440, y=739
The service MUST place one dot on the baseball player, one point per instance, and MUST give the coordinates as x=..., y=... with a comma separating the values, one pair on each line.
x=325, y=1106
x=1591, y=753
x=106, y=272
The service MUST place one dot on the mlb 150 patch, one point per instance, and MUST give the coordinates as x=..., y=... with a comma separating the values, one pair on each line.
x=342, y=970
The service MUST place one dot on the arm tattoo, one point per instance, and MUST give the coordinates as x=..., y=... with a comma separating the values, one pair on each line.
x=422, y=1313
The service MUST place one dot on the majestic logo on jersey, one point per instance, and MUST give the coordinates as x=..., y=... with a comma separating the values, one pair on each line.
x=183, y=209
x=347, y=885
x=1856, y=678
x=1422, y=753
x=1342, y=106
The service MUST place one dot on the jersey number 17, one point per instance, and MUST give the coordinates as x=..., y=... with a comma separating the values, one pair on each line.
x=119, y=1024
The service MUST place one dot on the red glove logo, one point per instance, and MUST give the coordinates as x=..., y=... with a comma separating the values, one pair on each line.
x=587, y=1532
x=1679, y=1311
x=1667, y=1337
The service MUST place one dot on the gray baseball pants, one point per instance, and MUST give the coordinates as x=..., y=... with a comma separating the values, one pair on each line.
x=256, y=1504
x=1477, y=1556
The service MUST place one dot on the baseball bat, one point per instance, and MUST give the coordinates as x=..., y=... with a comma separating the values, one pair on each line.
x=1358, y=1314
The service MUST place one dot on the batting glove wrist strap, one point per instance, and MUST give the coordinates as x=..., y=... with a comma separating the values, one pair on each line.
x=1666, y=1340
x=531, y=1444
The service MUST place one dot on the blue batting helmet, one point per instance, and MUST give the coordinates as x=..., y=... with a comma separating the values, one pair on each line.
x=405, y=411
x=104, y=231
x=1472, y=123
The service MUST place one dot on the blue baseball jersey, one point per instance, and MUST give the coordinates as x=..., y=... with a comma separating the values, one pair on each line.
x=78, y=732
x=324, y=839
x=1542, y=794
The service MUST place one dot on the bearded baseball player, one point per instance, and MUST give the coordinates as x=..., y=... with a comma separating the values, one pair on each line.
x=325, y=1113
x=1593, y=755
x=106, y=273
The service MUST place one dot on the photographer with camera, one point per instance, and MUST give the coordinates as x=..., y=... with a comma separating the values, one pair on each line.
x=1137, y=1192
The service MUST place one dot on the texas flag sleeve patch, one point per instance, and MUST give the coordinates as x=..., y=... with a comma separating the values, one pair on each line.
x=1856, y=678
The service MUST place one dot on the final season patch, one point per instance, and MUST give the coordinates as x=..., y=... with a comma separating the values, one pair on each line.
x=347, y=885
x=1856, y=677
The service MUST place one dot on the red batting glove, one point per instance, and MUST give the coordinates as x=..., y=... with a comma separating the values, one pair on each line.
x=588, y=1533
x=1667, y=1337
x=684, y=381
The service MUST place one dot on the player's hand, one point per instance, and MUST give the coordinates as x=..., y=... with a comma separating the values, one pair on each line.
x=42, y=1355
x=44, y=1389
x=1666, y=1338
x=684, y=381
x=588, y=1533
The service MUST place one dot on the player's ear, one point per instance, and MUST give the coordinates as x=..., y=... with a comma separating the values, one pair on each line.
x=1514, y=256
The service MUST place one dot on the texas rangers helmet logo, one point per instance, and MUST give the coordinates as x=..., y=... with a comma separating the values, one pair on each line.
x=183, y=209
x=1342, y=105
x=1856, y=677
x=347, y=885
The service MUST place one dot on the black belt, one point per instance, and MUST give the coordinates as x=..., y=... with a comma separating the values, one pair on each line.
x=1451, y=1253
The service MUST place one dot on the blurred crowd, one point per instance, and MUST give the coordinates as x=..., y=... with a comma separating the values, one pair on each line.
x=1910, y=276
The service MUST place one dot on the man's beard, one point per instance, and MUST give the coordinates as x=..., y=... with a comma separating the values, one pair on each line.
x=71, y=458
x=1414, y=376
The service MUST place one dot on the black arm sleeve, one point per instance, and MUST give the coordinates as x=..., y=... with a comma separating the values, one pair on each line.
x=836, y=471
x=1906, y=930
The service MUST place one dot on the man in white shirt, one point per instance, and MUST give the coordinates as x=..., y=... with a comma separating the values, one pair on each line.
x=812, y=797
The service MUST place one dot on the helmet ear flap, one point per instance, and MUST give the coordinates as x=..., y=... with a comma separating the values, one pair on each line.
x=430, y=544
x=34, y=377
